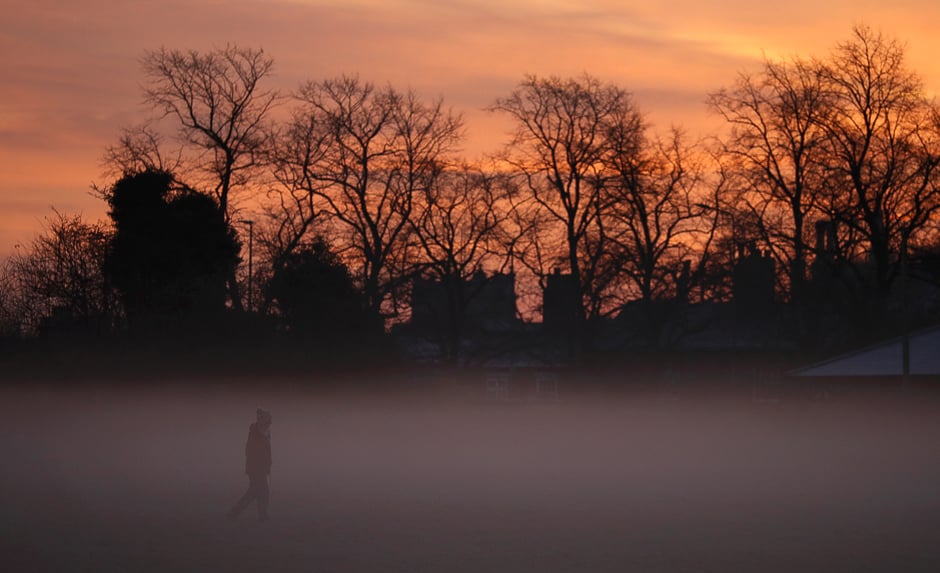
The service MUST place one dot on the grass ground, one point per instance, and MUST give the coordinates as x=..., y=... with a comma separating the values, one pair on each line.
x=139, y=480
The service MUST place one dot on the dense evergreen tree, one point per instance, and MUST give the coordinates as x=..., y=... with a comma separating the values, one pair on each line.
x=316, y=298
x=171, y=252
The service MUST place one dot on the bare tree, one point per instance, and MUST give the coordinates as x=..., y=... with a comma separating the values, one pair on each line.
x=883, y=136
x=291, y=208
x=459, y=234
x=656, y=214
x=362, y=154
x=719, y=233
x=220, y=107
x=777, y=150
x=458, y=221
x=140, y=148
x=60, y=275
x=531, y=245
x=10, y=319
x=560, y=146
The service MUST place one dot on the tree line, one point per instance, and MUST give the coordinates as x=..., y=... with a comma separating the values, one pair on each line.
x=350, y=190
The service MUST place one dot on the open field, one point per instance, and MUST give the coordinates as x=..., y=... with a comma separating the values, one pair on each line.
x=139, y=480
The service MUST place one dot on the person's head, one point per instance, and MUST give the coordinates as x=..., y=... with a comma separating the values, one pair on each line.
x=264, y=418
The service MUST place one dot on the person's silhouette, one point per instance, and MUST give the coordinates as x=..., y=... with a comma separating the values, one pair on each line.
x=257, y=466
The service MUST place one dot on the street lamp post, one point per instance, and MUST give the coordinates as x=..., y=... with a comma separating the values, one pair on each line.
x=251, y=240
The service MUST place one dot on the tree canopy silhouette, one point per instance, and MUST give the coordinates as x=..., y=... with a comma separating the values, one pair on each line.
x=57, y=281
x=316, y=298
x=364, y=154
x=584, y=196
x=171, y=252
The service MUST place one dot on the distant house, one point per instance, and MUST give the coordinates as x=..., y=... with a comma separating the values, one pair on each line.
x=474, y=322
x=483, y=302
x=753, y=277
x=460, y=321
x=751, y=321
x=560, y=302
x=883, y=359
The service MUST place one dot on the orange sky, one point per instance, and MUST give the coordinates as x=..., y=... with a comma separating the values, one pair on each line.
x=70, y=77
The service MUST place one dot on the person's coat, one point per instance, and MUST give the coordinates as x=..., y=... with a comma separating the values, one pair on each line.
x=257, y=452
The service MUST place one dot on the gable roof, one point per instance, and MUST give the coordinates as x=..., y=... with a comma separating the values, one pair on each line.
x=884, y=358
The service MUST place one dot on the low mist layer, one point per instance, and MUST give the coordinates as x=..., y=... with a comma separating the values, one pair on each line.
x=108, y=480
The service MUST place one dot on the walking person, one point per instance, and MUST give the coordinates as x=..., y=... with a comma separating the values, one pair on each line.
x=257, y=466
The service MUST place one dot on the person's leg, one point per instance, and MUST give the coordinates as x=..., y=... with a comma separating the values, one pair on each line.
x=263, y=493
x=245, y=500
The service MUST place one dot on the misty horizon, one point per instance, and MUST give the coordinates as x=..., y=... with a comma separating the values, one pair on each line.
x=110, y=480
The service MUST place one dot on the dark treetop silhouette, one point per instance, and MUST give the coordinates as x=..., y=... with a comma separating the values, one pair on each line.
x=359, y=198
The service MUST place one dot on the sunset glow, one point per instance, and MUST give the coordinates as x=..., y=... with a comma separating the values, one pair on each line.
x=71, y=78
